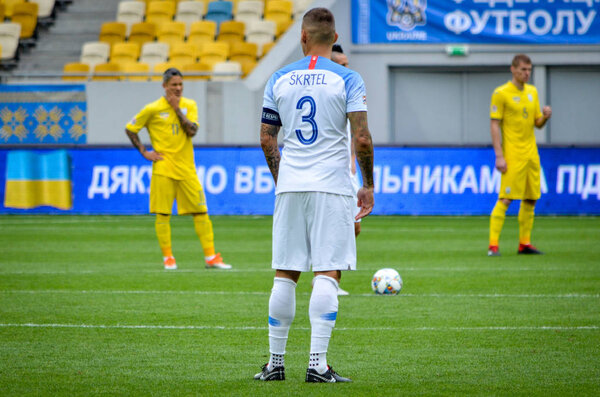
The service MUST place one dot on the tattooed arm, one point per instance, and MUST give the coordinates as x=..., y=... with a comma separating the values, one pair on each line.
x=363, y=145
x=135, y=140
x=268, y=142
x=190, y=128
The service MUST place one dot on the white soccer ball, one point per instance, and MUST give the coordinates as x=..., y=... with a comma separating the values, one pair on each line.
x=386, y=282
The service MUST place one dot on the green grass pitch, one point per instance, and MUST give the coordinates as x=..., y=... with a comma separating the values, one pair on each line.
x=86, y=309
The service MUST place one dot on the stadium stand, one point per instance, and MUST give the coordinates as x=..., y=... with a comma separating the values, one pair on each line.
x=112, y=32
x=261, y=32
x=9, y=7
x=214, y=52
x=95, y=52
x=231, y=31
x=76, y=68
x=142, y=32
x=219, y=11
x=226, y=71
x=2, y=11
x=125, y=52
x=160, y=68
x=106, y=72
x=300, y=6
x=9, y=40
x=154, y=52
x=183, y=53
x=130, y=12
x=243, y=52
x=159, y=12
x=171, y=32
x=247, y=68
x=279, y=11
x=249, y=10
x=198, y=68
x=135, y=71
x=26, y=15
x=202, y=31
x=189, y=12
x=46, y=11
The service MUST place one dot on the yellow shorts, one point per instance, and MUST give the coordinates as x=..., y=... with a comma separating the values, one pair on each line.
x=521, y=181
x=188, y=193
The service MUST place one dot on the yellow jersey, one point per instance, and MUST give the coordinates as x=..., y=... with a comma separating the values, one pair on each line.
x=517, y=111
x=168, y=138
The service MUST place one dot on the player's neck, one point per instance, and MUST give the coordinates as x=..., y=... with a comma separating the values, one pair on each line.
x=319, y=50
x=518, y=84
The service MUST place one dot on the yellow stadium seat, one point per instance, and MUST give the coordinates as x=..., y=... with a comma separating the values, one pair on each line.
x=247, y=68
x=9, y=5
x=125, y=52
x=76, y=67
x=279, y=11
x=171, y=32
x=214, y=52
x=142, y=32
x=183, y=53
x=26, y=15
x=267, y=47
x=2, y=12
x=231, y=31
x=198, y=67
x=243, y=52
x=202, y=31
x=106, y=72
x=113, y=32
x=159, y=12
x=135, y=71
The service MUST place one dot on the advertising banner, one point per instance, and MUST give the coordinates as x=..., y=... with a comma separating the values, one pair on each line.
x=476, y=21
x=237, y=181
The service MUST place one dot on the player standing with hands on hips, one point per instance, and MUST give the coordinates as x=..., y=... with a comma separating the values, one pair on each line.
x=310, y=101
x=171, y=122
x=514, y=111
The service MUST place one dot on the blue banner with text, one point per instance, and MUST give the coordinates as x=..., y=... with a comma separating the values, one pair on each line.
x=476, y=21
x=408, y=181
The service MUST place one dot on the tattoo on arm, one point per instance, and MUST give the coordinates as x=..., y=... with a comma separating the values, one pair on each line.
x=135, y=140
x=268, y=142
x=363, y=145
x=189, y=127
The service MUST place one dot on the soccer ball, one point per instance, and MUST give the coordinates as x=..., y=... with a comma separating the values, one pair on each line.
x=386, y=282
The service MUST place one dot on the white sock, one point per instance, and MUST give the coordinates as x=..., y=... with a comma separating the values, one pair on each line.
x=322, y=311
x=282, y=309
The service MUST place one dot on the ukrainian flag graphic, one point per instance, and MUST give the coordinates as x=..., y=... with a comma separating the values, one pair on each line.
x=38, y=179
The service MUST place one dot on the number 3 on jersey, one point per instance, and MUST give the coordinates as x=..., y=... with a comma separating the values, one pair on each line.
x=309, y=118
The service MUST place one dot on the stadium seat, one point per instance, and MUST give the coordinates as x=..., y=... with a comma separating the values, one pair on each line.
x=2, y=11
x=125, y=52
x=142, y=32
x=300, y=6
x=243, y=52
x=279, y=11
x=202, y=31
x=94, y=52
x=267, y=47
x=26, y=15
x=261, y=32
x=183, y=53
x=214, y=52
x=130, y=12
x=135, y=71
x=219, y=11
x=159, y=12
x=171, y=32
x=45, y=9
x=247, y=68
x=198, y=67
x=113, y=32
x=189, y=12
x=76, y=67
x=226, y=71
x=106, y=72
x=231, y=31
x=9, y=5
x=160, y=68
x=154, y=52
x=249, y=10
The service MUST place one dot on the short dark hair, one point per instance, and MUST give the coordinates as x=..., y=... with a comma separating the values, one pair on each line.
x=519, y=59
x=337, y=48
x=171, y=72
x=319, y=23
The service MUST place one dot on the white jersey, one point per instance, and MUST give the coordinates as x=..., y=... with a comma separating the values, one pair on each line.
x=310, y=99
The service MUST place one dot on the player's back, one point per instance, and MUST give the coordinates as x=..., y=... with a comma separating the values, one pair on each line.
x=312, y=98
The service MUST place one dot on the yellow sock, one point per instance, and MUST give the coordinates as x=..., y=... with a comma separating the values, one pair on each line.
x=204, y=230
x=497, y=221
x=526, y=213
x=163, y=232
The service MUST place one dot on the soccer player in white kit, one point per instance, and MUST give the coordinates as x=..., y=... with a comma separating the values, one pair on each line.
x=310, y=101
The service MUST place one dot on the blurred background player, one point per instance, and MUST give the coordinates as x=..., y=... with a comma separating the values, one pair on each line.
x=314, y=202
x=171, y=122
x=338, y=56
x=514, y=111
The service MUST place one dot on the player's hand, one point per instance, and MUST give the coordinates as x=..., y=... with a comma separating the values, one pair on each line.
x=366, y=201
x=173, y=100
x=547, y=112
x=152, y=156
x=501, y=164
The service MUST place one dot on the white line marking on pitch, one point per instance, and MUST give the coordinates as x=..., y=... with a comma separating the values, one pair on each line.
x=249, y=328
x=262, y=293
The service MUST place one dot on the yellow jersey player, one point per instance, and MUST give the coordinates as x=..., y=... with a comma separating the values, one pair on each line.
x=171, y=122
x=514, y=111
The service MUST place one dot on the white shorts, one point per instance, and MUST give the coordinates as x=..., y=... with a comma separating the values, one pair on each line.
x=313, y=228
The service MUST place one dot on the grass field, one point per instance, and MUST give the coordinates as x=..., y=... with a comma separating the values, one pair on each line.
x=86, y=309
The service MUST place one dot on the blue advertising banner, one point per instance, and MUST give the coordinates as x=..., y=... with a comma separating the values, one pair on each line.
x=39, y=114
x=409, y=181
x=476, y=21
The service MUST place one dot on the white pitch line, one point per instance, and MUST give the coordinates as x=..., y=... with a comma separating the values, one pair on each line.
x=352, y=329
x=263, y=293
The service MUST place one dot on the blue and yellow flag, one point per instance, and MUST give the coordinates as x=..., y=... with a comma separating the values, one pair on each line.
x=36, y=179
